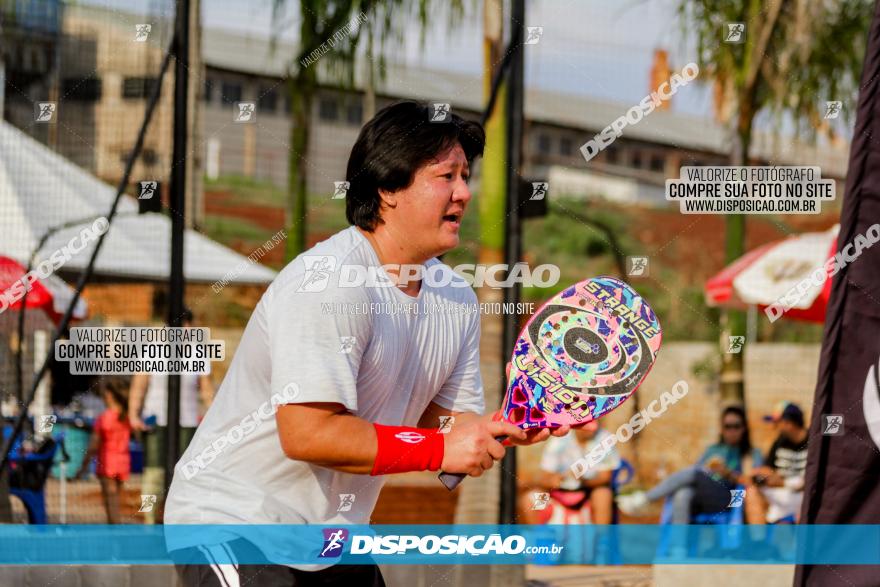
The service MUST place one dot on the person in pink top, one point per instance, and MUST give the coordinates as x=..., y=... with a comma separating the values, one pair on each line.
x=110, y=439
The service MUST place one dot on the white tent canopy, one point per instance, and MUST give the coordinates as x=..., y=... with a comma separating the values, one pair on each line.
x=41, y=190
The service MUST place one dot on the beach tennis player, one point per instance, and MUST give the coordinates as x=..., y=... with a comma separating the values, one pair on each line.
x=339, y=380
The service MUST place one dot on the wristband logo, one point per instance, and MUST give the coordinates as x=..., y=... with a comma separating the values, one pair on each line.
x=334, y=539
x=410, y=437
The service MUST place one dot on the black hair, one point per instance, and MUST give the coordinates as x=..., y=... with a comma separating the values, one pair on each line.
x=745, y=443
x=117, y=386
x=187, y=315
x=392, y=147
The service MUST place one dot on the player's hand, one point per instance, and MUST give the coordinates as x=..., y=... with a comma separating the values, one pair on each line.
x=471, y=448
x=536, y=436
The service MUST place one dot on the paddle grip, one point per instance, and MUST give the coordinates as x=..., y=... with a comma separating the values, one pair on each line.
x=451, y=480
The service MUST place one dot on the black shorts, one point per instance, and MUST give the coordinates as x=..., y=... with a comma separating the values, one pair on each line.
x=214, y=574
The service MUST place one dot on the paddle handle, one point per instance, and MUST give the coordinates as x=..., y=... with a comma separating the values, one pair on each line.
x=451, y=480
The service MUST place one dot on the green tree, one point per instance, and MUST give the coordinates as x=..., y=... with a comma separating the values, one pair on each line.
x=795, y=56
x=338, y=27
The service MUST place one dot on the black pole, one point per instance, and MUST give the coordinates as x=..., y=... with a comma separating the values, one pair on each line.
x=177, y=206
x=512, y=240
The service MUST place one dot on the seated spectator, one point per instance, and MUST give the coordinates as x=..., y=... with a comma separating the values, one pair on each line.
x=779, y=485
x=706, y=487
x=566, y=491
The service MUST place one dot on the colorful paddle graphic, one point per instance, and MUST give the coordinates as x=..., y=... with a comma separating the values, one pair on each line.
x=579, y=357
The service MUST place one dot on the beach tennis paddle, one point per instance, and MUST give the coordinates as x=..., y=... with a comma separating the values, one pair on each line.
x=580, y=356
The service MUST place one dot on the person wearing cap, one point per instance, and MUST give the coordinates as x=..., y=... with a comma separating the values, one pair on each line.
x=569, y=495
x=780, y=482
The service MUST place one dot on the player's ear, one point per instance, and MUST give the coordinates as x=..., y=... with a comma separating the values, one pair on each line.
x=387, y=198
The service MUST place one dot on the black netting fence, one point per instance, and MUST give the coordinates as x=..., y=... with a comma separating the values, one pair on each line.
x=77, y=82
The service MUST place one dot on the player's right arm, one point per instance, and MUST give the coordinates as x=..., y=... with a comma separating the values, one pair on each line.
x=328, y=435
x=320, y=349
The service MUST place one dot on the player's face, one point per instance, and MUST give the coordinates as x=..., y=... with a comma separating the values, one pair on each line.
x=429, y=212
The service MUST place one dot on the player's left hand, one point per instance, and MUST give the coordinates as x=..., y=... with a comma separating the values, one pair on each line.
x=536, y=436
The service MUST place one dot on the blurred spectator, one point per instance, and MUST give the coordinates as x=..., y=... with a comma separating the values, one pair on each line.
x=568, y=494
x=110, y=443
x=779, y=485
x=148, y=413
x=705, y=487
x=65, y=385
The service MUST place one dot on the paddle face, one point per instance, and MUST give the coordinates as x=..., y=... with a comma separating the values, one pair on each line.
x=581, y=355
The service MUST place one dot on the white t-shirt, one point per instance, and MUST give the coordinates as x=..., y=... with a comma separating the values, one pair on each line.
x=156, y=400
x=562, y=451
x=301, y=332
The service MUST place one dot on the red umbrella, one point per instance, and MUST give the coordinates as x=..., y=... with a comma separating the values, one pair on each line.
x=50, y=293
x=763, y=276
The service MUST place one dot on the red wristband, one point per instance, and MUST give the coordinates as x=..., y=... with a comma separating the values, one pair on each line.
x=402, y=449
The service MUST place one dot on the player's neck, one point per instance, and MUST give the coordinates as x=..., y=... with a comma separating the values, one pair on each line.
x=391, y=251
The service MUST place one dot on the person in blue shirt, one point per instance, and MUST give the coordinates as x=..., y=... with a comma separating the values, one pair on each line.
x=705, y=487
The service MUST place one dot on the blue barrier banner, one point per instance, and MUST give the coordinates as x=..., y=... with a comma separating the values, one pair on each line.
x=435, y=544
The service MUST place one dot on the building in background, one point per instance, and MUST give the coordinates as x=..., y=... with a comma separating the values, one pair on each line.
x=103, y=77
x=99, y=66
x=241, y=68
